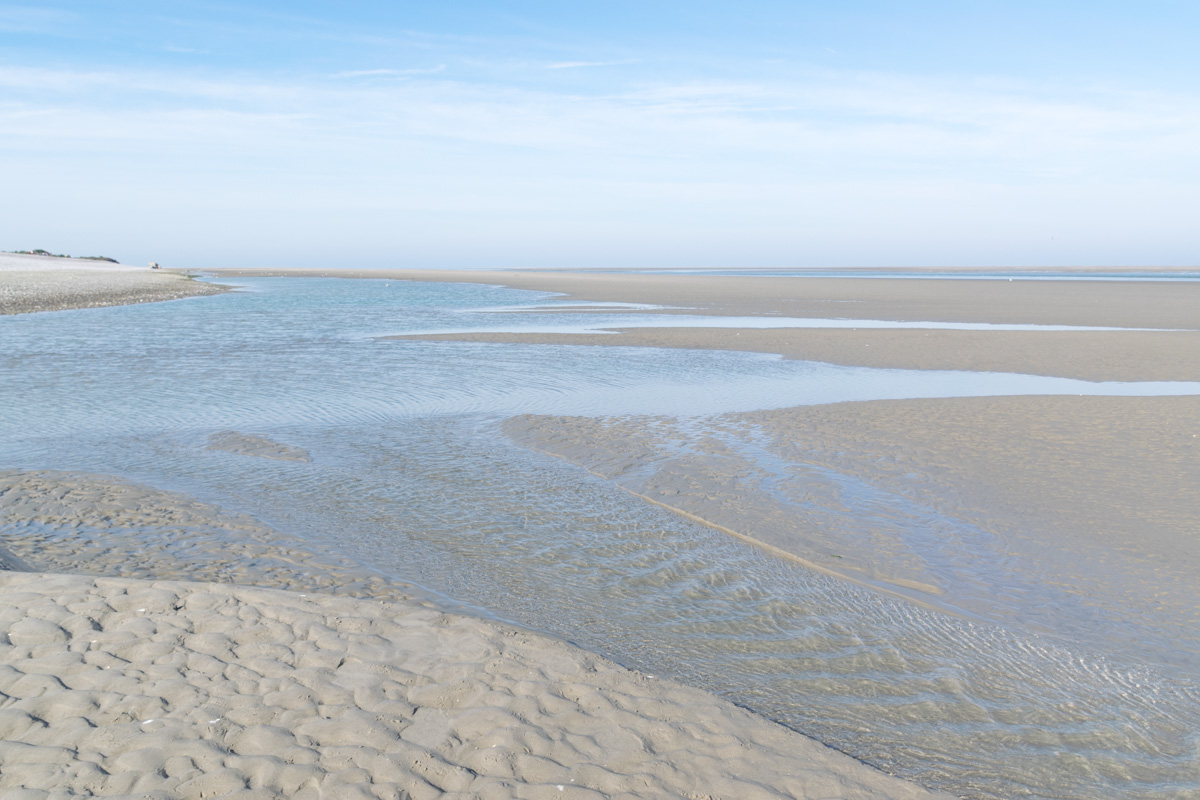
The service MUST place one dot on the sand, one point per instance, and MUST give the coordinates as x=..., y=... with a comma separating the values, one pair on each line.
x=1084, y=503
x=141, y=688
x=1081, y=510
x=102, y=525
x=246, y=444
x=291, y=673
x=1087, y=355
x=1059, y=514
x=45, y=283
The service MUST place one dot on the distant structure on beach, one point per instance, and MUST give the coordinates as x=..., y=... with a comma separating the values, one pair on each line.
x=153, y=265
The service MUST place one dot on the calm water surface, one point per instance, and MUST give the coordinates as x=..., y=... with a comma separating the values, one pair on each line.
x=410, y=474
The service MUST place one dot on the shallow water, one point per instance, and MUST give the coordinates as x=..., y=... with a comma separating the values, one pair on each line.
x=410, y=474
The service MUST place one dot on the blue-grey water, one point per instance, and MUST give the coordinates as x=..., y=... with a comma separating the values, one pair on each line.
x=411, y=475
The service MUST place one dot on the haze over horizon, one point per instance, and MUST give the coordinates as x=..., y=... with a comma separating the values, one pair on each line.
x=677, y=135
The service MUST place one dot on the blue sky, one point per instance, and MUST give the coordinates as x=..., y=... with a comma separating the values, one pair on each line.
x=538, y=134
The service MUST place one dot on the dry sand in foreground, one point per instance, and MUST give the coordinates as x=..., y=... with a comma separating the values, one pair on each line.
x=166, y=689
x=163, y=690
x=45, y=283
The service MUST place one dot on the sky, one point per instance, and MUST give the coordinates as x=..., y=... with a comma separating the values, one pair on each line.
x=620, y=134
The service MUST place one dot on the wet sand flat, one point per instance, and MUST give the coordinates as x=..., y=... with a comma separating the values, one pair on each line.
x=1059, y=514
x=1081, y=509
x=1172, y=354
x=1065, y=477
x=45, y=283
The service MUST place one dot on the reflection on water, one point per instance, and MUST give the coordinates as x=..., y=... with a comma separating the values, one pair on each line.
x=409, y=473
x=608, y=323
x=1168, y=275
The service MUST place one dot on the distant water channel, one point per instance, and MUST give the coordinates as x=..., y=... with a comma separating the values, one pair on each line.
x=411, y=475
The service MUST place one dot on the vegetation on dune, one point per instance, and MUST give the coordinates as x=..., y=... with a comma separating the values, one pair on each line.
x=40, y=252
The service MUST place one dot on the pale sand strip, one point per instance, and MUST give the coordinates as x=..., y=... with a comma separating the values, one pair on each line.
x=42, y=283
x=1091, y=355
x=143, y=688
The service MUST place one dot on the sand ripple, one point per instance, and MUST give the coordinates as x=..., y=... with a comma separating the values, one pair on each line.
x=163, y=690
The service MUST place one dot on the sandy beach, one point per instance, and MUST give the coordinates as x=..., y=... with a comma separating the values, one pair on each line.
x=31, y=283
x=345, y=685
x=160, y=646
x=1090, y=495
x=155, y=646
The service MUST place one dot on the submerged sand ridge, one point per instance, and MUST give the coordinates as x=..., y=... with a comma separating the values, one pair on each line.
x=101, y=525
x=255, y=446
x=151, y=688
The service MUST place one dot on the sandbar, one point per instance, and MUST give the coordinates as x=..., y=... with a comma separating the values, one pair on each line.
x=31, y=283
x=1172, y=353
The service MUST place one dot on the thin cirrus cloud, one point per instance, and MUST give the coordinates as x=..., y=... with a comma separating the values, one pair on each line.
x=32, y=19
x=857, y=113
x=848, y=123
x=586, y=64
x=369, y=73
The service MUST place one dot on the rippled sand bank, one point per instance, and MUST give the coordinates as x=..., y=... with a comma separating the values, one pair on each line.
x=1072, y=515
x=154, y=688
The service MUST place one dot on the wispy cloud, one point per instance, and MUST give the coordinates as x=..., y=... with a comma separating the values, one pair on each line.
x=584, y=64
x=171, y=48
x=834, y=148
x=876, y=115
x=367, y=73
x=34, y=19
